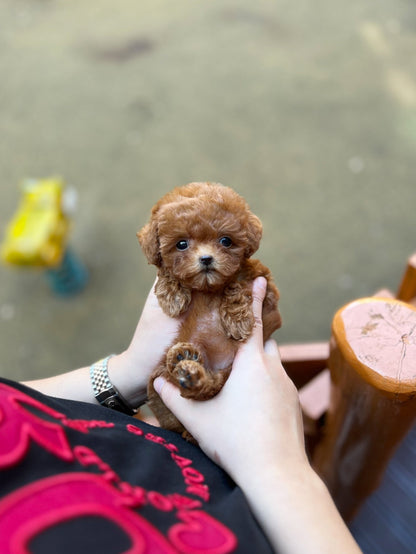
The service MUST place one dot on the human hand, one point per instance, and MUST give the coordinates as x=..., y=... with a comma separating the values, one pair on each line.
x=154, y=333
x=255, y=421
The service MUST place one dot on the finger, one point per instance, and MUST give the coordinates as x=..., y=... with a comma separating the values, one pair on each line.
x=259, y=293
x=171, y=397
x=163, y=388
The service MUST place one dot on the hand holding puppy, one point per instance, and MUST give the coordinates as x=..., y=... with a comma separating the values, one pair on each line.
x=258, y=401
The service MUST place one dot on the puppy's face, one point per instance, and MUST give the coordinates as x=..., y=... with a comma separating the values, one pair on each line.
x=202, y=233
x=201, y=253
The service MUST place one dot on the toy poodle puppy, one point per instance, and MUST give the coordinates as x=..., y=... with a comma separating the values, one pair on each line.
x=200, y=237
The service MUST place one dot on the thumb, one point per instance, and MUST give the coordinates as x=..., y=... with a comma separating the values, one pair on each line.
x=259, y=293
x=170, y=396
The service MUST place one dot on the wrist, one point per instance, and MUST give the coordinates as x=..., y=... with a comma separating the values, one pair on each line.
x=285, y=500
x=128, y=378
x=285, y=478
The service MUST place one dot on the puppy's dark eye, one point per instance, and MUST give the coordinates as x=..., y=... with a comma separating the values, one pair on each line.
x=226, y=242
x=182, y=245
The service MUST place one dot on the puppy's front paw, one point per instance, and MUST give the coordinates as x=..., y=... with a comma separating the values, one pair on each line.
x=182, y=351
x=188, y=375
x=173, y=298
x=185, y=368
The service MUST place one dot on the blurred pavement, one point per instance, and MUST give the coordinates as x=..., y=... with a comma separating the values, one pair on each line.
x=307, y=109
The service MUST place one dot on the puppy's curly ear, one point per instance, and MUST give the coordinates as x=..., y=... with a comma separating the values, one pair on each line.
x=254, y=234
x=149, y=241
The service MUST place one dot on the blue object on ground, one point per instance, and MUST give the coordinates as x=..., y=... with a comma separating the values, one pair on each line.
x=70, y=277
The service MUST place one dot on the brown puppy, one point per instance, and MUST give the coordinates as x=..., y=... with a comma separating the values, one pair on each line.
x=201, y=236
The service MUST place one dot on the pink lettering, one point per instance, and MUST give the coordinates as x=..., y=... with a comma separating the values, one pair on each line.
x=159, y=501
x=154, y=438
x=199, y=490
x=34, y=508
x=83, y=425
x=183, y=502
x=26, y=513
x=88, y=457
x=135, y=430
x=137, y=495
x=192, y=476
x=180, y=461
x=201, y=533
x=18, y=427
x=171, y=447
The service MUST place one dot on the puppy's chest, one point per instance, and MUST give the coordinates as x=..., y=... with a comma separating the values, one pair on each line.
x=203, y=328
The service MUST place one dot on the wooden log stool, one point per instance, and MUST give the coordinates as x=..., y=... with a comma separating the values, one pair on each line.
x=373, y=397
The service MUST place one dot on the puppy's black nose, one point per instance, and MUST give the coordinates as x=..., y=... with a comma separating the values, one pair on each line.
x=206, y=260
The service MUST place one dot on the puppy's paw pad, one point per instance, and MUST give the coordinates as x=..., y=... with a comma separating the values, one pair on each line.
x=182, y=352
x=188, y=374
x=188, y=355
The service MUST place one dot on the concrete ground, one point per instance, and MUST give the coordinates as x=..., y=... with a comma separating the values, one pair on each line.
x=308, y=109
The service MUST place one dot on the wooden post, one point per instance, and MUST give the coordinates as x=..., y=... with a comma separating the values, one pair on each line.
x=407, y=289
x=372, y=400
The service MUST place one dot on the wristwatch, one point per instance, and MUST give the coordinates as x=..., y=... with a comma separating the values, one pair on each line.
x=104, y=391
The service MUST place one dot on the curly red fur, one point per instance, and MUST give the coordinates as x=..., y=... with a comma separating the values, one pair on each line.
x=201, y=236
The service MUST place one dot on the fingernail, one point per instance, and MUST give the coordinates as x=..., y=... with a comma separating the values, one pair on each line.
x=158, y=384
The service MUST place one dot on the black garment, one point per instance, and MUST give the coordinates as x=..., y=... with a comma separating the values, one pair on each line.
x=80, y=478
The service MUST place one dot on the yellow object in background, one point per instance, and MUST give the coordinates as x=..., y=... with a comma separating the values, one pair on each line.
x=38, y=231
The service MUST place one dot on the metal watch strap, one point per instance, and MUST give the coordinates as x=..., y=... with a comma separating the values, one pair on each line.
x=104, y=391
